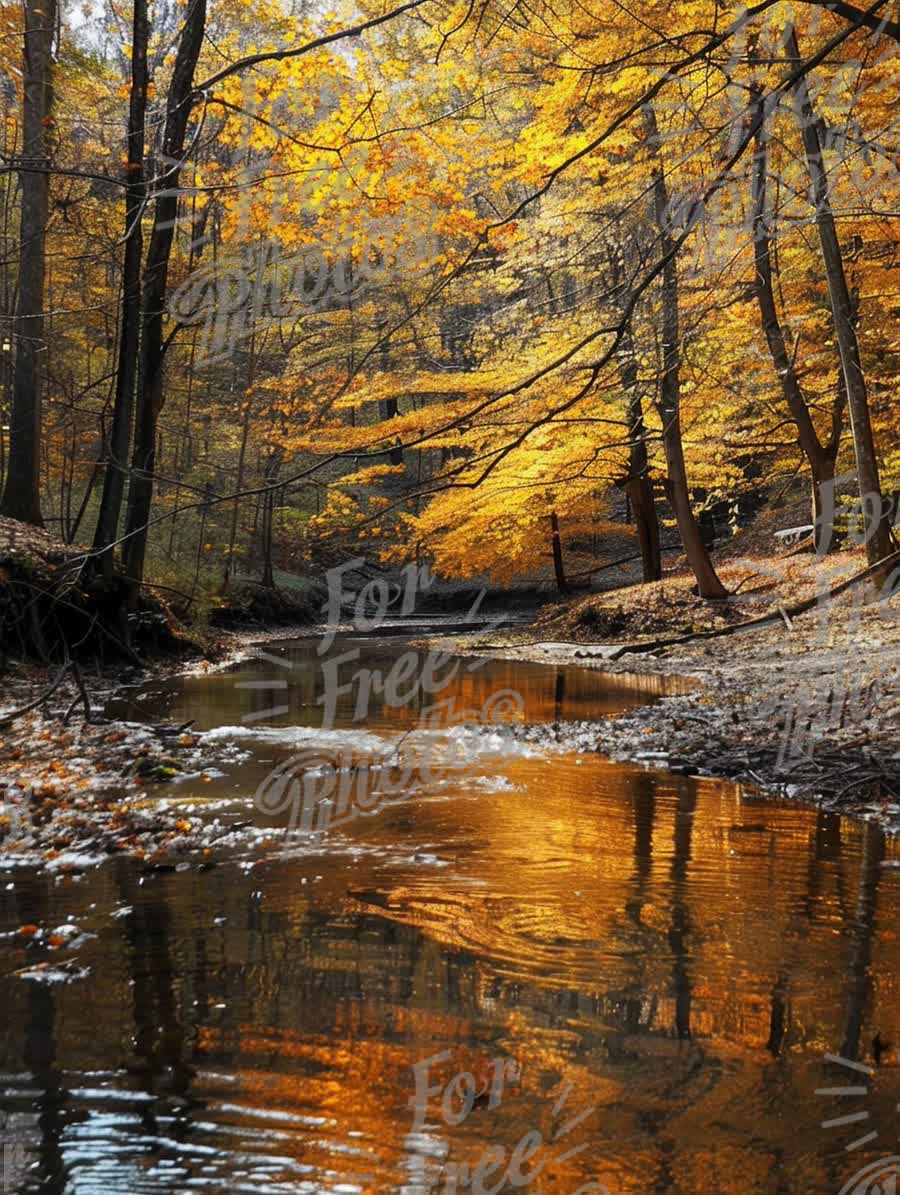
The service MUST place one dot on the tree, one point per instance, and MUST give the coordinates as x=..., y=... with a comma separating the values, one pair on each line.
x=21, y=496
x=636, y=482
x=150, y=393
x=879, y=540
x=115, y=453
x=669, y=400
x=821, y=456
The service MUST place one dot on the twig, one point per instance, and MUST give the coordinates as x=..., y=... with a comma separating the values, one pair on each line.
x=81, y=696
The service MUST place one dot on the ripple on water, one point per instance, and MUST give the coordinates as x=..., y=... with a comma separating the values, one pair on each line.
x=672, y=956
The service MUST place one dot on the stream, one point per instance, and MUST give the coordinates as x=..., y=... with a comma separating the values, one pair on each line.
x=478, y=964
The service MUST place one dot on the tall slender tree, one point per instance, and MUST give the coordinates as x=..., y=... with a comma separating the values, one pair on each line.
x=155, y=283
x=21, y=496
x=116, y=450
x=879, y=540
x=669, y=401
x=636, y=482
x=821, y=455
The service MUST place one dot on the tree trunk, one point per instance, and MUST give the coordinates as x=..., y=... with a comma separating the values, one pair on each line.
x=22, y=493
x=268, y=573
x=392, y=411
x=559, y=569
x=646, y=520
x=669, y=403
x=150, y=369
x=270, y=476
x=116, y=450
x=879, y=541
x=239, y=485
x=821, y=457
x=391, y=405
x=637, y=485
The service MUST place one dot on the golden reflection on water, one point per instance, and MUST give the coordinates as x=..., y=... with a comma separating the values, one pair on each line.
x=674, y=955
x=677, y=955
x=549, y=692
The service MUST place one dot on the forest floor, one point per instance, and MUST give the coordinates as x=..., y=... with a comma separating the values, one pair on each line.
x=805, y=706
x=76, y=787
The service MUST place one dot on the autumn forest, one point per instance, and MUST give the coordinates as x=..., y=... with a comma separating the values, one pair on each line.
x=449, y=596
x=441, y=282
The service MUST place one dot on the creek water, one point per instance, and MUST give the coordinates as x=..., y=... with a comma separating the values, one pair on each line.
x=642, y=973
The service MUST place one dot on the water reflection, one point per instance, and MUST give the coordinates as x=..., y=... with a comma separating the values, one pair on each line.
x=286, y=685
x=673, y=954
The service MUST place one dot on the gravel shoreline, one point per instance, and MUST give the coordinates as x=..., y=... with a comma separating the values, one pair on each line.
x=781, y=709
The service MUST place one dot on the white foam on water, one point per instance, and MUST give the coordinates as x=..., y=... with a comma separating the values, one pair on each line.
x=117, y=1094
x=299, y=737
x=276, y=1114
x=496, y=784
x=79, y=860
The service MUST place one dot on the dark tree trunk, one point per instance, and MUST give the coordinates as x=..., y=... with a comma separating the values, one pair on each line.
x=391, y=405
x=150, y=370
x=637, y=485
x=646, y=520
x=116, y=450
x=669, y=403
x=559, y=569
x=391, y=411
x=879, y=541
x=267, y=577
x=235, y=512
x=22, y=493
x=821, y=457
x=273, y=468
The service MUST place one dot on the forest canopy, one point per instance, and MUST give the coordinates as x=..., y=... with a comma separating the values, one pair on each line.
x=441, y=282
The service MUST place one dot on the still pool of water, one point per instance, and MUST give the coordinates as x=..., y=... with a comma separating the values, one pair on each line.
x=654, y=966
